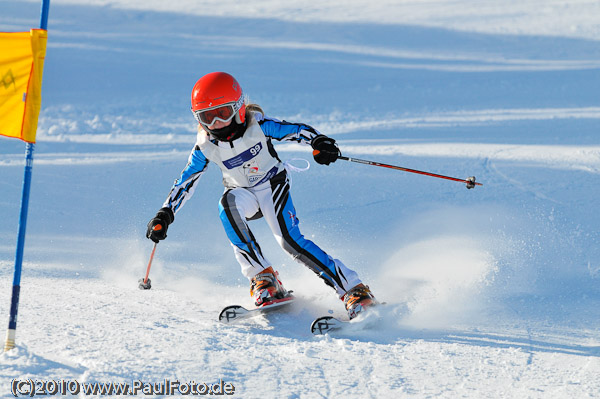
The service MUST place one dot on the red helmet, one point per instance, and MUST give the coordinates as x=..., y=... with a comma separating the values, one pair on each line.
x=218, y=96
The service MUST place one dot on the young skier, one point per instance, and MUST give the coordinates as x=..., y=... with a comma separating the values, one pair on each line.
x=238, y=138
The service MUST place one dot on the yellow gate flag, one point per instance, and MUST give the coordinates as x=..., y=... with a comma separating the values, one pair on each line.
x=21, y=67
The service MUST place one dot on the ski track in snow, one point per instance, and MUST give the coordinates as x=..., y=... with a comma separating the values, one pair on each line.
x=178, y=338
x=108, y=129
x=586, y=159
x=577, y=18
x=491, y=292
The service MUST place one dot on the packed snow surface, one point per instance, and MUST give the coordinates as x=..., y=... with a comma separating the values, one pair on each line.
x=490, y=292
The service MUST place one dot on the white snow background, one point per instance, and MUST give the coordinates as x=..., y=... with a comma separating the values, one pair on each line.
x=491, y=292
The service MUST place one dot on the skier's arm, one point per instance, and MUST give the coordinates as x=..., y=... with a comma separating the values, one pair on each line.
x=283, y=130
x=182, y=190
x=325, y=149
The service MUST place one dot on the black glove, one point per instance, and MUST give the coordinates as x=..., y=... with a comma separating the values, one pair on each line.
x=157, y=227
x=325, y=150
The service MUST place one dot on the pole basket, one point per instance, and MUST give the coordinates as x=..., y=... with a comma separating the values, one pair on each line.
x=144, y=284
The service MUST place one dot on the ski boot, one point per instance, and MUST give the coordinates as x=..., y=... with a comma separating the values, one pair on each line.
x=357, y=299
x=266, y=288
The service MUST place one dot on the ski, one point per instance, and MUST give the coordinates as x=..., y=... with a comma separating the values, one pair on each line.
x=236, y=312
x=325, y=324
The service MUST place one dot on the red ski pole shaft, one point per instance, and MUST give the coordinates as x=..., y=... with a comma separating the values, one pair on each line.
x=469, y=181
x=150, y=263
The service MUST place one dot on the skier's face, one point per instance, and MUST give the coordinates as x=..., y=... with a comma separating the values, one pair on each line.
x=219, y=125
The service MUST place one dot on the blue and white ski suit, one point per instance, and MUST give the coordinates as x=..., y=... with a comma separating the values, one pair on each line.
x=257, y=185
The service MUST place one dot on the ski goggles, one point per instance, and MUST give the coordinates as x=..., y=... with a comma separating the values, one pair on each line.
x=223, y=112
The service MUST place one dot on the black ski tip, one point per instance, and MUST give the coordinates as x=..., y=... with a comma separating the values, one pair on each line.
x=232, y=312
x=144, y=285
x=323, y=325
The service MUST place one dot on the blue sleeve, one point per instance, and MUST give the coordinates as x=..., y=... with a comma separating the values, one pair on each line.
x=282, y=130
x=183, y=188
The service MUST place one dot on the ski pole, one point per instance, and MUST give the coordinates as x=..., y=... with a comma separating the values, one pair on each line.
x=470, y=181
x=145, y=282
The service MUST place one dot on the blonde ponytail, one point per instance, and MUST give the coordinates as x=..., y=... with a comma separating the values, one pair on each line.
x=254, y=108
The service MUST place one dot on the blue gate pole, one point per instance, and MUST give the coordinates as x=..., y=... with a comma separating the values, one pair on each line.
x=14, y=302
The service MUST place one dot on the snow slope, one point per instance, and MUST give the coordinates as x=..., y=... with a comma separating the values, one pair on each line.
x=491, y=292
